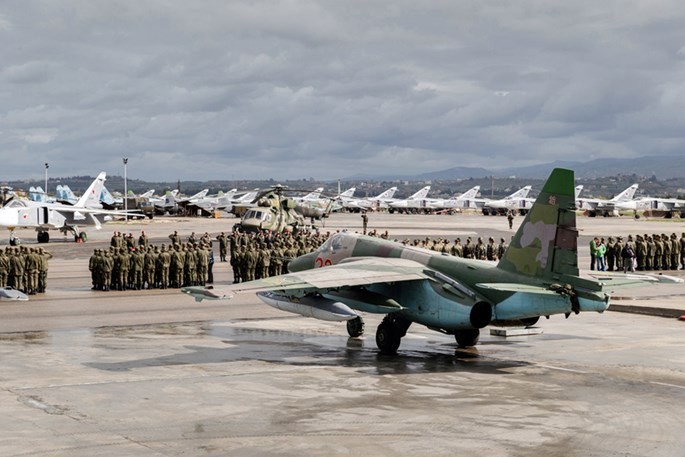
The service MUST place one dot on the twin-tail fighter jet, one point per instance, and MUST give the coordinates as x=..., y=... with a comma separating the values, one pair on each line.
x=87, y=211
x=537, y=276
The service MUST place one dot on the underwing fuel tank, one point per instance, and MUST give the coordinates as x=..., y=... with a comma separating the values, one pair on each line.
x=309, y=306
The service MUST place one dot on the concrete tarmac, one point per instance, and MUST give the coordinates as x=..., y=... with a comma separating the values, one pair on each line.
x=153, y=373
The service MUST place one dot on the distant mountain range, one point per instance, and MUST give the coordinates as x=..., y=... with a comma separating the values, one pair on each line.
x=663, y=167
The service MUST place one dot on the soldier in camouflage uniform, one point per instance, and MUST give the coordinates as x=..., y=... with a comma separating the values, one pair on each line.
x=640, y=252
x=651, y=249
x=666, y=255
x=4, y=268
x=149, y=266
x=501, y=248
x=675, y=251
x=165, y=260
x=457, y=249
x=202, y=259
x=17, y=270
x=93, y=268
x=137, y=264
x=107, y=267
x=223, y=246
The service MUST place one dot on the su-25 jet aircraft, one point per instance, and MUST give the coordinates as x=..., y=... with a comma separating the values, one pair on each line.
x=537, y=276
x=67, y=218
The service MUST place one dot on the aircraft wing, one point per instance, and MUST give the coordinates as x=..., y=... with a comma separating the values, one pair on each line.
x=94, y=211
x=364, y=271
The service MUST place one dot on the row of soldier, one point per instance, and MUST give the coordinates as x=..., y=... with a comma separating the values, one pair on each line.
x=25, y=269
x=264, y=254
x=127, y=265
x=656, y=252
x=152, y=267
x=468, y=250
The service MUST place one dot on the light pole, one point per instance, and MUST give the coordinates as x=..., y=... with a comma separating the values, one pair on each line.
x=125, y=190
x=46, y=180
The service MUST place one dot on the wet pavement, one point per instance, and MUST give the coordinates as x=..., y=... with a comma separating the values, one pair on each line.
x=604, y=385
x=153, y=373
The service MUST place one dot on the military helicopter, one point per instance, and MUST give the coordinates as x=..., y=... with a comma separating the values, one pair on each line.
x=274, y=211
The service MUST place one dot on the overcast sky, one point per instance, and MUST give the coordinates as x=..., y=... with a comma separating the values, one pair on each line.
x=223, y=89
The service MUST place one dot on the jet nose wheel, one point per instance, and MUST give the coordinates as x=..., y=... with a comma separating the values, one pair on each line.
x=355, y=327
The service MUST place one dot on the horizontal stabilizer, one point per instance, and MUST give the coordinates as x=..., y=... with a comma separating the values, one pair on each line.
x=617, y=280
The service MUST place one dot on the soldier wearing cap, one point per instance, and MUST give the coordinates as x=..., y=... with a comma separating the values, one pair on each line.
x=457, y=249
x=501, y=249
x=490, y=249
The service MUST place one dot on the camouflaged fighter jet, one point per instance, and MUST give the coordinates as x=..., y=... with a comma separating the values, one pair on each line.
x=537, y=276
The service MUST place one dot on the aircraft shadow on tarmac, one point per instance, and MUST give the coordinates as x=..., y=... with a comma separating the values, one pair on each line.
x=294, y=349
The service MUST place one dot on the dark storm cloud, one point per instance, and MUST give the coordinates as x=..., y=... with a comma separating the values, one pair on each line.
x=327, y=89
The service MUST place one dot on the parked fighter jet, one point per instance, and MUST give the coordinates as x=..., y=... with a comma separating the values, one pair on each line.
x=653, y=206
x=365, y=204
x=597, y=206
x=517, y=201
x=415, y=202
x=467, y=200
x=67, y=218
x=537, y=276
x=210, y=203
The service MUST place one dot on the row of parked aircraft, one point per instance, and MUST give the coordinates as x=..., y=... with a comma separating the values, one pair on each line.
x=67, y=213
x=518, y=202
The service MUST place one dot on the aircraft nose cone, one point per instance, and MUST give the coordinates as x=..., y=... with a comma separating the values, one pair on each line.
x=304, y=262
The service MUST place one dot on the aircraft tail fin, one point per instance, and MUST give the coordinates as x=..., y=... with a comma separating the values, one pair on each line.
x=626, y=195
x=348, y=193
x=521, y=193
x=421, y=194
x=91, y=197
x=314, y=195
x=471, y=193
x=388, y=193
x=546, y=243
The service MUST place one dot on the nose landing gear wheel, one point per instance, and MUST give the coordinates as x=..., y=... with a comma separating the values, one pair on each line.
x=355, y=327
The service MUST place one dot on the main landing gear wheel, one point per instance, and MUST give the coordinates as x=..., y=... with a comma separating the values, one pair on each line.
x=355, y=327
x=43, y=237
x=390, y=332
x=466, y=338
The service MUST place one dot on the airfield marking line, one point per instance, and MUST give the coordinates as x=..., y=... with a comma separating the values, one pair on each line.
x=561, y=369
x=667, y=384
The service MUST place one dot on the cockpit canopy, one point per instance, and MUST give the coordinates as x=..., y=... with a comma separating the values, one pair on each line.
x=263, y=216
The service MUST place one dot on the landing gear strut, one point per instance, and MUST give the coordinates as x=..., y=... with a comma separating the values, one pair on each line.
x=390, y=332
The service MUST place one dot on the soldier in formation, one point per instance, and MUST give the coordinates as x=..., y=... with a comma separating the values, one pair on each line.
x=261, y=255
x=646, y=252
x=126, y=265
x=25, y=269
